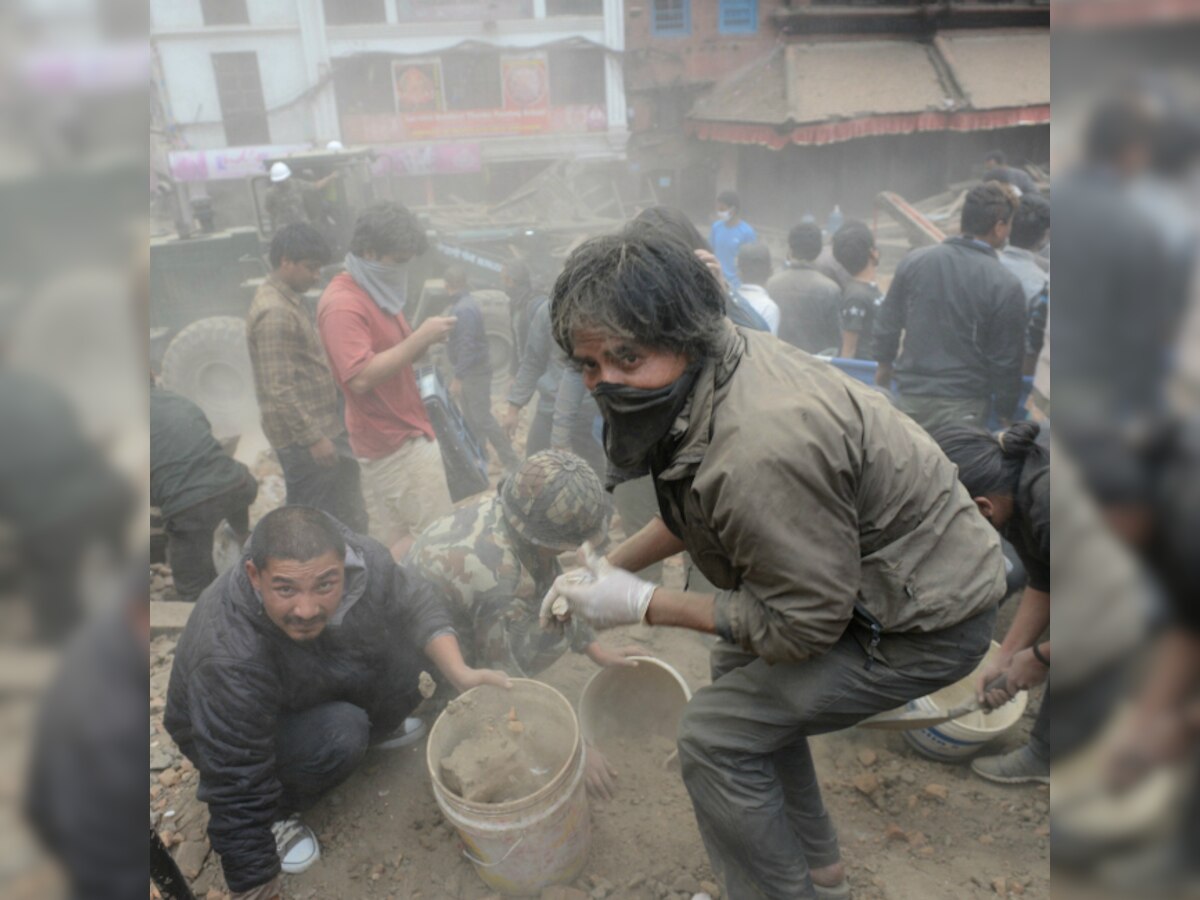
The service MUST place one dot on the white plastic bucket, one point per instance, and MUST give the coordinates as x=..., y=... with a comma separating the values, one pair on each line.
x=524, y=845
x=961, y=738
x=606, y=710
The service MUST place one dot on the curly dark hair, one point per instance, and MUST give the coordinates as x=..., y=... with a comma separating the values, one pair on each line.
x=641, y=283
x=388, y=229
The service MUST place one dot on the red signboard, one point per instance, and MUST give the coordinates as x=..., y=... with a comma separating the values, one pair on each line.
x=361, y=128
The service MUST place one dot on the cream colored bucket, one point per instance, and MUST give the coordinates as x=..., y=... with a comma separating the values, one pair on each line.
x=606, y=710
x=960, y=738
x=521, y=846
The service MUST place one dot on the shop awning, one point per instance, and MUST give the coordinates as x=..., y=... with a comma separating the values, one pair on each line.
x=822, y=93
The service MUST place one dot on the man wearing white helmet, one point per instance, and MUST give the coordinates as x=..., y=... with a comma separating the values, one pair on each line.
x=285, y=197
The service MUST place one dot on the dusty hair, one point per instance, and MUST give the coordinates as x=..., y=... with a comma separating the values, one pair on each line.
x=642, y=284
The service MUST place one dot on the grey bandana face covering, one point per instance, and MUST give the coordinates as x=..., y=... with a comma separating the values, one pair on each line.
x=387, y=284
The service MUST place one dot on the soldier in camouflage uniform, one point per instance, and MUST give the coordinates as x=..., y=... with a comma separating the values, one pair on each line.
x=495, y=558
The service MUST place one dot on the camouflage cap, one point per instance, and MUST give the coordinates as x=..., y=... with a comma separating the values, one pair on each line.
x=555, y=500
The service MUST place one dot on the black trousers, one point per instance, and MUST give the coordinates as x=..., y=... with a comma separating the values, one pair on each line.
x=317, y=749
x=336, y=489
x=190, y=536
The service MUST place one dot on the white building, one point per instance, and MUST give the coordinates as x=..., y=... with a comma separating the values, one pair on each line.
x=438, y=86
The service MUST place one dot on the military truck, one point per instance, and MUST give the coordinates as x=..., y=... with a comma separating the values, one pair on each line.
x=202, y=281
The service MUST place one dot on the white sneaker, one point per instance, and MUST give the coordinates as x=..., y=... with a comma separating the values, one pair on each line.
x=410, y=731
x=296, y=845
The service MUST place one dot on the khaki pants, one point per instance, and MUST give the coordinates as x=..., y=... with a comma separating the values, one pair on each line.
x=405, y=492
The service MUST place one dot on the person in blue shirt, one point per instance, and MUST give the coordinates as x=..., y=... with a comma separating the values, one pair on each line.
x=728, y=233
x=472, y=365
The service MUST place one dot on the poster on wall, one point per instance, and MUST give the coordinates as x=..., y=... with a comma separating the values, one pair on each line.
x=417, y=86
x=525, y=82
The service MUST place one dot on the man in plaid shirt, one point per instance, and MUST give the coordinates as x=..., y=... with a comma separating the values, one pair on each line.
x=301, y=414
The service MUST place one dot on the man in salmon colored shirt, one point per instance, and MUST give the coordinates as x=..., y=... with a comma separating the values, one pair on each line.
x=371, y=349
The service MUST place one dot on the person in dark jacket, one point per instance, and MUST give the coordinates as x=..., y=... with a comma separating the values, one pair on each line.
x=472, y=365
x=963, y=318
x=809, y=302
x=292, y=663
x=1009, y=479
x=195, y=484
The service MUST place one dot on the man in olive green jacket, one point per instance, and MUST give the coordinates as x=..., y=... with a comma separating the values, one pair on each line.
x=853, y=572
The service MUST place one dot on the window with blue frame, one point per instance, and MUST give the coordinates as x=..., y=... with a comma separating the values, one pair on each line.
x=738, y=17
x=671, y=18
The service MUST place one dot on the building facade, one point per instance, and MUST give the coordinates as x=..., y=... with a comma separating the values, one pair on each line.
x=807, y=104
x=437, y=87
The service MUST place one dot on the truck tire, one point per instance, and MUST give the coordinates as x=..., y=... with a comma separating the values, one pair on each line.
x=497, y=323
x=208, y=363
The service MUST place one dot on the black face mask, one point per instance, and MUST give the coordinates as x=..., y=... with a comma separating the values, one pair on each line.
x=636, y=419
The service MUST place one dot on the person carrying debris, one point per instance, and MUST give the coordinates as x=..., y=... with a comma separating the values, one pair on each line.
x=963, y=318
x=296, y=394
x=495, y=557
x=293, y=663
x=1009, y=479
x=287, y=193
x=471, y=363
x=371, y=350
x=808, y=301
x=196, y=485
x=853, y=571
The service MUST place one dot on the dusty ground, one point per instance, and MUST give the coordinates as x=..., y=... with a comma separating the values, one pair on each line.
x=910, y=828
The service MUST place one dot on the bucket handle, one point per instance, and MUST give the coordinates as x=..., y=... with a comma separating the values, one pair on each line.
x=484, y=865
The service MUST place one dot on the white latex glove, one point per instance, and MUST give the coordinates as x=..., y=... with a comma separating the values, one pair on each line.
x=610, y=597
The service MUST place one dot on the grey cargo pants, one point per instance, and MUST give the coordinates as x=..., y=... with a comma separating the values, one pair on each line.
x=743, y=745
